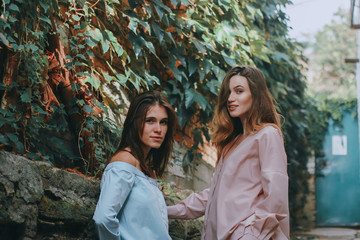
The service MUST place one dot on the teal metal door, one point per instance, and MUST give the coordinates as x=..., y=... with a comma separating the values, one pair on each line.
x=337, y=176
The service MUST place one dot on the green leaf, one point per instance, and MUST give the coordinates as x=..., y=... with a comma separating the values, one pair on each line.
x=251, y=9
x=207, y=65
x=93, y=80
x=83, y=25
x=69, y=65
x=122, y=79
x=213, y=86
x=96, y=34
x=89, y=42
x=193, y=66
x=158, y=31
x=110, y=36
x=45, y=19
x=33, y=156
x=170, y=37
x=79, y=55
x=11, y=19
x=13, y=138
x=145, y=25
x=225, y=4
x=90, y=53
x=137, y=43
x=135, y=79
x=133, y=25
x=31, y=47
x=199, y=45
x=3, y=39
x=174, y=2
x=229, y=60
x=150, y=46
x=44, y=6
x=150, y=79
x=4, y=140
x=159, y=4
x=118, y=49
x=159, y=11
x=191, y=96
x=133, y=3
x=105, y=45
x=87, y=109
x=76, y=17
x=76, y=63
x=107, y=77
x=26, y=96
x=14, y=7
x=80, y=102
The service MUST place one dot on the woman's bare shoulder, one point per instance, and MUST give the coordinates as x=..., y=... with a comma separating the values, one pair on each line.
x=124, y=156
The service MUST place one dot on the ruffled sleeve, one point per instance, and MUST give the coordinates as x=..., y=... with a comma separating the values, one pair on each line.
x=272, y=211
x=116, y=185
x=190, y=208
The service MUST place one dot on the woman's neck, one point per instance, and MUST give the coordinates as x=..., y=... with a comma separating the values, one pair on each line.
x=244, y=122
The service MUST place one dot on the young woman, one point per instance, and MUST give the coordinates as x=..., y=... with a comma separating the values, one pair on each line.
x=248, y=197
x=130, y=205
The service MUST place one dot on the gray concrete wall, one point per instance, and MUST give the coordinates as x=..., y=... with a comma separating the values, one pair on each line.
x=196, y=177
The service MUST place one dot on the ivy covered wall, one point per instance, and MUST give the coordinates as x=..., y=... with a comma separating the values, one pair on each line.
x=68, y=65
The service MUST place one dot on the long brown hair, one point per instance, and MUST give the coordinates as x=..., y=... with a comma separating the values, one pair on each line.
x=261, y=113
x=157, y=159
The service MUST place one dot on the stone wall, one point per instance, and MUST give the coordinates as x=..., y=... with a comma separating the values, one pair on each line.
x=196, y=177
x=38, y=201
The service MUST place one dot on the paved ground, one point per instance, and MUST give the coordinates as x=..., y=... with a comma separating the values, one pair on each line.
x=327, y=234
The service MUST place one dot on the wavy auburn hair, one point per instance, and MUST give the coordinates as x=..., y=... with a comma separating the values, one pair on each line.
x=157, y=159
x=261, y=113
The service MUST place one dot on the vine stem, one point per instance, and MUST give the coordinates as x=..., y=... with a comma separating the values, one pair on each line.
x=81, y=9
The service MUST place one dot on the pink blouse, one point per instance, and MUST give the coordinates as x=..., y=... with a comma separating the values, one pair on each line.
x=248, y=197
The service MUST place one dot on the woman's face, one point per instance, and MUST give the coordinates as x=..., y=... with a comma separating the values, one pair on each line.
x=155, y=128
x=240, y=99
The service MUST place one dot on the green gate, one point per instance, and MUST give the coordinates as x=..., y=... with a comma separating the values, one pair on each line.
x=337, y=176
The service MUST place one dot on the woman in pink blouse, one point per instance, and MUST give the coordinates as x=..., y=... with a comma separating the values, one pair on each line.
x=248, y=197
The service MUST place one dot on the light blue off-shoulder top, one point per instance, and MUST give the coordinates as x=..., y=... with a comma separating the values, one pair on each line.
x=130, y=205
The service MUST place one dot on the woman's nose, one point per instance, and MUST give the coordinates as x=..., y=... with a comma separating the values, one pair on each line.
x=158, y=127
x=230, y=98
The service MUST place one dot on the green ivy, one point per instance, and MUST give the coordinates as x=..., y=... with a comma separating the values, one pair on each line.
x=182, y=47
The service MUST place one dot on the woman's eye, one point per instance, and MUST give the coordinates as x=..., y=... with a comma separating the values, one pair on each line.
x=164, y=122
x=149, y=120
x=239, y=91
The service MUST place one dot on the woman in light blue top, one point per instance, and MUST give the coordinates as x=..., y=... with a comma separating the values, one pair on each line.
x=130, y=205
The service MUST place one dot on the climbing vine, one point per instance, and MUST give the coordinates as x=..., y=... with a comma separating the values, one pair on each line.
x=70, y=67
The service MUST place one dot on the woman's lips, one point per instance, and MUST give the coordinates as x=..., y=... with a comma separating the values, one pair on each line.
x=232, y=107
x=158, y=139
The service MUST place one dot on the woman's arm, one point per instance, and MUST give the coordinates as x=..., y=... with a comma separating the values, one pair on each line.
x=272, y=211
x=115, y=187
x=190, y=208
